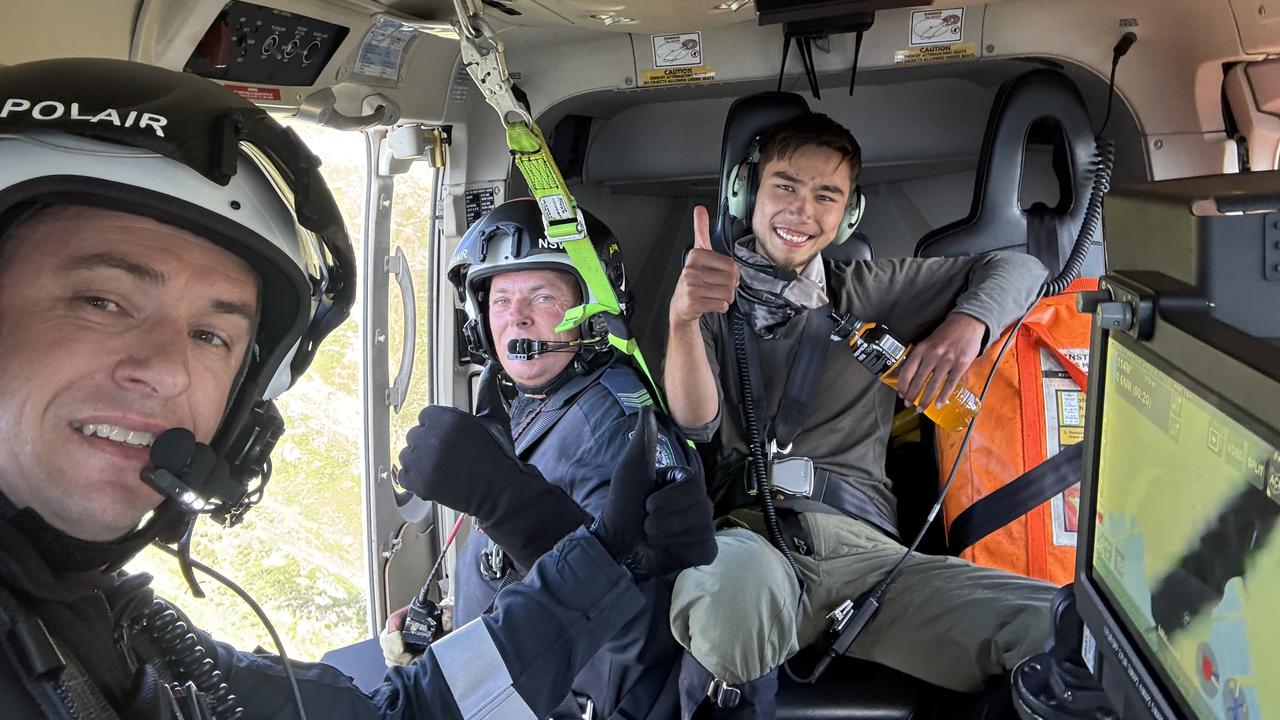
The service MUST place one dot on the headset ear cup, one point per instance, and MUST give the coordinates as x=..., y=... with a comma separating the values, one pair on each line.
x=474, y=335
x=852, y=216
x=738, y=201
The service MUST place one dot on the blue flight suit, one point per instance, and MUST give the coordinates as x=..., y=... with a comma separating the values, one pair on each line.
x=515, y=663
x=574, y=439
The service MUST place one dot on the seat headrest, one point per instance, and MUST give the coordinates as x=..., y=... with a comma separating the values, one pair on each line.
x=748, y=117
x=857, y=247
x=1042, y=105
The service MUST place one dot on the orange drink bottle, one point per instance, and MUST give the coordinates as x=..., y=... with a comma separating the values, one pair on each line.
x=877, y=350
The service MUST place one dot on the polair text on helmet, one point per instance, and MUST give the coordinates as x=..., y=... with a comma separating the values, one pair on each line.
x=47, y=110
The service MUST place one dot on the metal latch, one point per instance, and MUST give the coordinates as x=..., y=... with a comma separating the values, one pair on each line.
x=723, y=694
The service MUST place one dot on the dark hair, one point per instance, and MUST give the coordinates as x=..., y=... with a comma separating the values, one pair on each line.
x=11, y=220
x=785, y=138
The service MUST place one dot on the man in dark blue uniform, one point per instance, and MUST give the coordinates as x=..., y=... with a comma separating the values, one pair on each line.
x=170, y=260
x=572, y=410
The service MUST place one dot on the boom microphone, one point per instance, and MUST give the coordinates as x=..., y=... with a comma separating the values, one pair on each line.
x=190, y=472
x=528, y=348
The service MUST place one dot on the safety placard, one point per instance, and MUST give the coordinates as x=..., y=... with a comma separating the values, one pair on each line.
x=935, y=53
x=677, y=76
x=478, y=201
x=382, y=52
x=679, y=50
x=1064, y=404
x=254, y=93
x=937, y=27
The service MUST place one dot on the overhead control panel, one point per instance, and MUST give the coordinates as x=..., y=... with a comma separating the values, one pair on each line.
x=264, y=46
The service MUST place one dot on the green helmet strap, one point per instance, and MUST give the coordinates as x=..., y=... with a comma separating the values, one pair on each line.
x=564, y=224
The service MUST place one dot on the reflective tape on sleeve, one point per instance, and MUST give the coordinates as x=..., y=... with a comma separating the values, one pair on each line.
x=477, y=676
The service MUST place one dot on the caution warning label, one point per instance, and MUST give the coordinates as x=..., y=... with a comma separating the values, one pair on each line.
x=677, y=76
x=254, y=93
x=935, y=53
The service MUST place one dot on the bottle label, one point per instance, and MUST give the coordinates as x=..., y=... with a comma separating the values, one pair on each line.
x=877, y=350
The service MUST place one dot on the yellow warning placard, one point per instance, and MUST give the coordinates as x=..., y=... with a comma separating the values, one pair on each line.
x=935, y=53
x=677, y=76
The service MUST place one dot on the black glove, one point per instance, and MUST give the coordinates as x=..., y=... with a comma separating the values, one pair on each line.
x=657, y=520
x=471, y=466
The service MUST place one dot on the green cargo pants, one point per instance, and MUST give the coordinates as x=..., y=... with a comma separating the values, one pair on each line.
x=944, y=620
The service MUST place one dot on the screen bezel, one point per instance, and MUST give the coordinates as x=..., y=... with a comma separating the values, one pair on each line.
x=1124, y=643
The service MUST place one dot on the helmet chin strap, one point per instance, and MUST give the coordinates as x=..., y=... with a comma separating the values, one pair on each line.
x=583, y=363
x=550, y=386
x=66, y=553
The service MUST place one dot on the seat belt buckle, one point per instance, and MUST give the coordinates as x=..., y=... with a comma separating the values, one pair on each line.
x=793, y=476
x=723, y=694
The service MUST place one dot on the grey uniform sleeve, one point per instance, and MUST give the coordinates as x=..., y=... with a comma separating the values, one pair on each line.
x=516, y=662
x=911, y=295
x=704, y=433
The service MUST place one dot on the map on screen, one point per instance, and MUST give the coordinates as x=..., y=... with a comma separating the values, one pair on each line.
x=1186, y=539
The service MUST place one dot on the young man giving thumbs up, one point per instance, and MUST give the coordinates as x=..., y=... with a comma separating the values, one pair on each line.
x=944, y=620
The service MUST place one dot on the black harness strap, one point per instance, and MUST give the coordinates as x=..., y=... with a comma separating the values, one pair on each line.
x=556, y=407
x=1016, y=498
x=807, y=365
x=55, y=679
x=806, y=369
x=534, y=431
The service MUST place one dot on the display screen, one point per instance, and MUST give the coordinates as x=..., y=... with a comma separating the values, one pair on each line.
x=1186, y=543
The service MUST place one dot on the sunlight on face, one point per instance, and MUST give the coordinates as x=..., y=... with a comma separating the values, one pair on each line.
x=113, y=329
x=530, y=304
x=800, y=205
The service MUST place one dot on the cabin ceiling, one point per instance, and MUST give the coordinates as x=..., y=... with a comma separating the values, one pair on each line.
x=624, y=16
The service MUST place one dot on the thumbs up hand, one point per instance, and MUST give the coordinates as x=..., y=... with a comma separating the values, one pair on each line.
x=658, y=520
x=709, y=279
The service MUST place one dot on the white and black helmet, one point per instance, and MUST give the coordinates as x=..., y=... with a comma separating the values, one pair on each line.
x=187, y=152
x=511, y=237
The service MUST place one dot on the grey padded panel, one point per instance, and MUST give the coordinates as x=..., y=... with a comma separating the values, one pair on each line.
x=657, y=142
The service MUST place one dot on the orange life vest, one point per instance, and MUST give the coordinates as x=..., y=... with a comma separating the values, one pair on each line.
x=1034, y=408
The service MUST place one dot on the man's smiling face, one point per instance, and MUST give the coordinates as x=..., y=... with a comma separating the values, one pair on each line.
x=113, y=329
x=531, y=304
x=800, y=205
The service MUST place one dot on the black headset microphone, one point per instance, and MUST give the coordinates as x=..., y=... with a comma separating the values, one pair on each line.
x=190, y=473
x=528, y=348
x=198, y=480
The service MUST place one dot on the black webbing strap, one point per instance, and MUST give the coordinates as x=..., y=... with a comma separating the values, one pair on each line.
x=56, y=680
x=802, y=381
x=806, y=369
x=1016, y=498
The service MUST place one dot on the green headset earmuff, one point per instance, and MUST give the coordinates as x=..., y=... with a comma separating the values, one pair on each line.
x=743, y=183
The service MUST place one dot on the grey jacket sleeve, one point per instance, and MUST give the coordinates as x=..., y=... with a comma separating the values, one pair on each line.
x=912, y=295
x=516, y=662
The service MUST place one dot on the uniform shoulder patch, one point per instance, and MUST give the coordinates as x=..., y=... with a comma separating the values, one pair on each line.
x=627, y=389
x=665, y=453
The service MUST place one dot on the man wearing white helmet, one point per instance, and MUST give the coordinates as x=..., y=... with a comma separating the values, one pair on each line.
x=569, y=400
x=170, y=260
